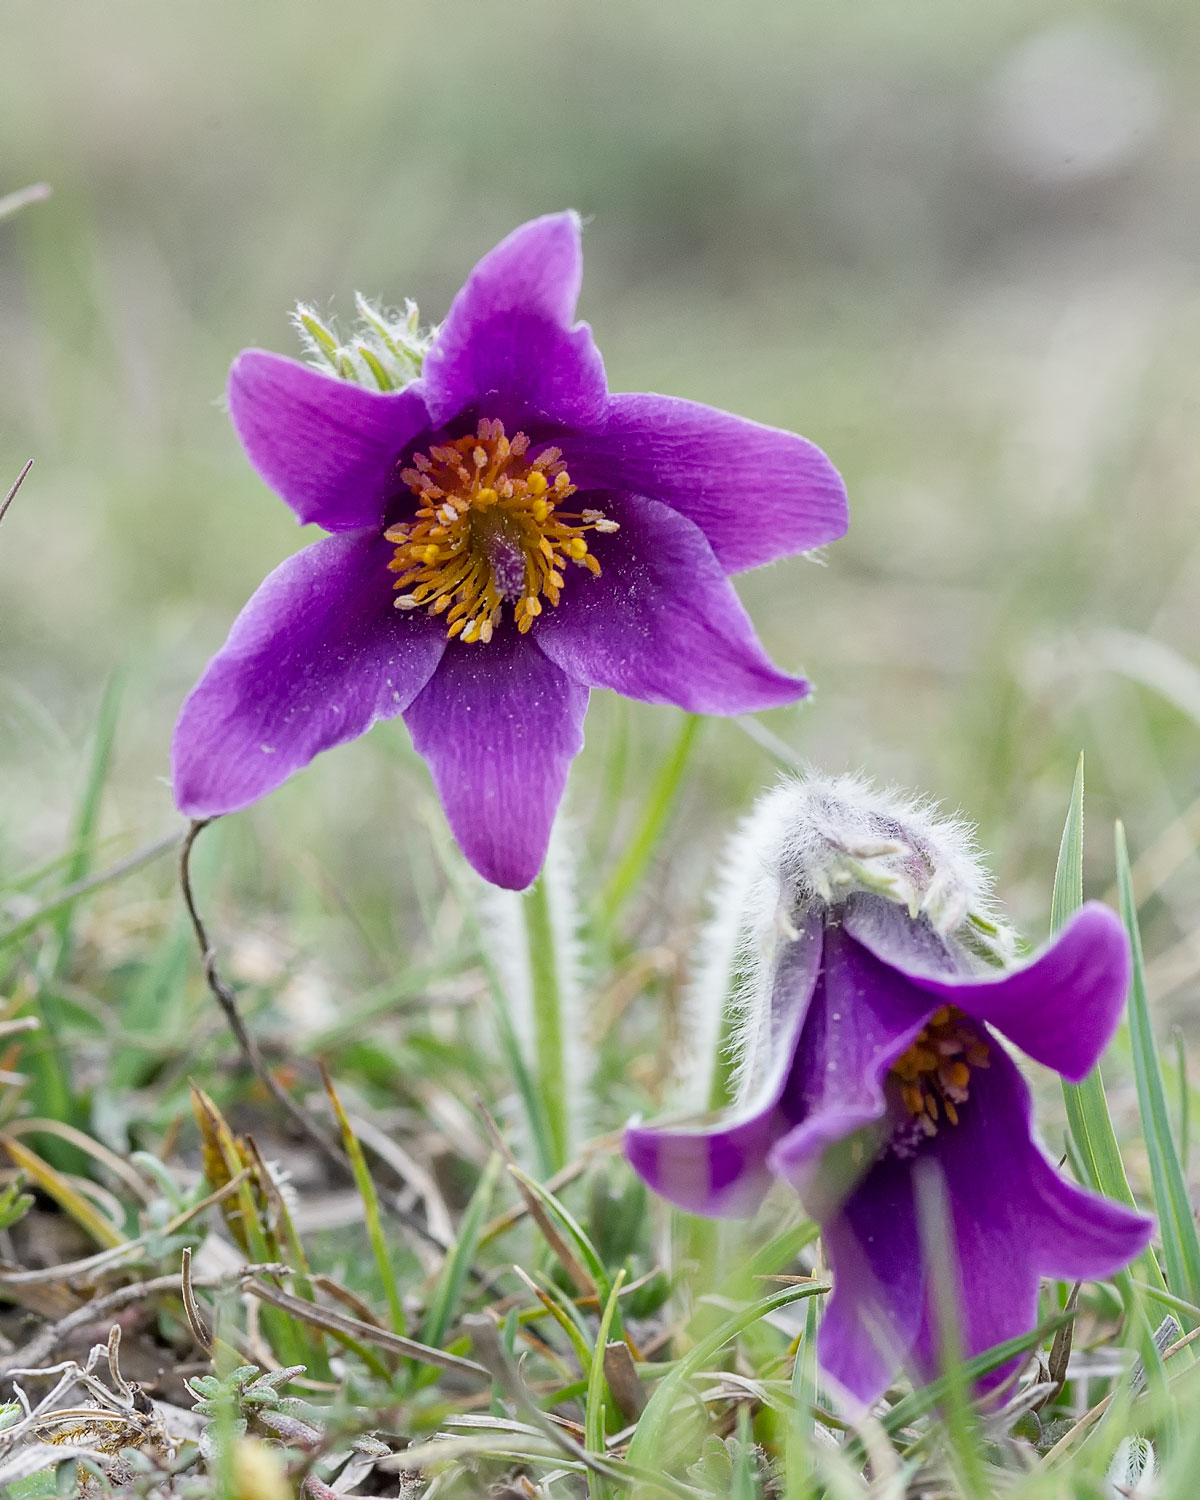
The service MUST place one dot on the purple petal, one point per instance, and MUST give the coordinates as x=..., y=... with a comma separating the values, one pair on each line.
x=1001, y=1177
x=661, y=622
x=536, y=270
x=756, y=492
x=873, y=1319
x=507, y=347
x=499, y=725
x=1012, y=1220
x=327, y=446
x=316, y=656
x=1015, y=1219
x=1080, y=1236
x=722, y=1171
x=1061, y=1008
x=866, y=1016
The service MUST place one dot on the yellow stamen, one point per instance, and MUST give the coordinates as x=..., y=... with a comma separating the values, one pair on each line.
x=488, y=528
x=932, y=1077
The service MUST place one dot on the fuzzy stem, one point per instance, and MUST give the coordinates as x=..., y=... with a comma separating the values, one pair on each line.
x=549, y=1032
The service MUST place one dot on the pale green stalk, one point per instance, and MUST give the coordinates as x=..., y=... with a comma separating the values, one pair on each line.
x=549, y=1032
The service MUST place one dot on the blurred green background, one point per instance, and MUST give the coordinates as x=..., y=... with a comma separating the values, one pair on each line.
x=954, y=244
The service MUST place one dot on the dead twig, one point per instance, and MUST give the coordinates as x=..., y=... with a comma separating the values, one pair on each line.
x=1060, y=1351
x=47, y=1339
x=626, y=1386
x=567, y=1258
x=355, y=1328
x=325, y=1144
x=602, y=1145
x=20, y=479
x=200, y=1329
x=1093, y=1414
x=228, y=1002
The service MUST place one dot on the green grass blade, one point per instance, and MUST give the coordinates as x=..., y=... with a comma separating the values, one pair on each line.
x=1185, y=1102
x=13, y=203
x=371, y=1213
x=1093, y=1143
x=915, y=1405
x=744, y=1483
x=1177, y=1225
x=569, y=1319
x=1068, y=874
x=87, y=817
x=768, y=1260
x=443, y=1304
x=73, y=893
x=645, y=1447
x=798, y=1443
x=595, y=1408
x=572, y=1230
x=51, y=1088
x=1166, y=1299
x=656, y=812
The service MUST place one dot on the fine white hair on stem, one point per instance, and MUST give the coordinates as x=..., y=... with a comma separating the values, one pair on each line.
x=813, y=839
x=567, y=926
x=734, y=955
x=505, y=932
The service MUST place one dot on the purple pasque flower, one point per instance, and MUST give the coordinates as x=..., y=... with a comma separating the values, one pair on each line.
x=505, y=535
x=878, y=1005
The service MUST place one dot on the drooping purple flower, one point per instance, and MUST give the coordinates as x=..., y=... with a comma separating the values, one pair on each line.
x=505, y=536
x=879, y=1001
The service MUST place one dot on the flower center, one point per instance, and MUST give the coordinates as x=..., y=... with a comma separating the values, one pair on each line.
x=933, y=1077
x=489, y=527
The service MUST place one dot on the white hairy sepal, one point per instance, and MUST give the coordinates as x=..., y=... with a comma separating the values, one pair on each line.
x=811, y=842
x=384, y=351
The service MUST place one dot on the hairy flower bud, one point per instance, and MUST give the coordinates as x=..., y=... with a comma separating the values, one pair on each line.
x=875, y=985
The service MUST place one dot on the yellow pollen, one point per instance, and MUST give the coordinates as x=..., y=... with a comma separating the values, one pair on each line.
x=488, y=527
x=932, y=1078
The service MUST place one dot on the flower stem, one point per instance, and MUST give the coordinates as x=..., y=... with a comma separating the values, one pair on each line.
x=549, y=1031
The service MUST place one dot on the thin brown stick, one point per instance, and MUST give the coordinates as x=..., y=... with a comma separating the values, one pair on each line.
x=367, y=1333
x=1090, y=1416
x=603, y=1144
x=17, y=483
x=72, y=893
x=43, y=1343
x=583, y=1282
x=228, y=1002
x=200, y=1329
